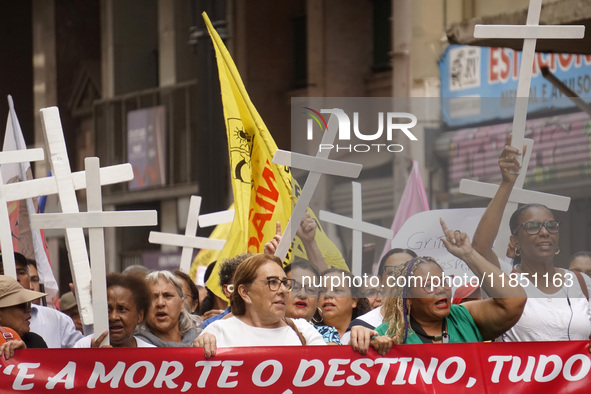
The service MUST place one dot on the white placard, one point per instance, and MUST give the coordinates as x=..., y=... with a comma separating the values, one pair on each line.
x=422, y=233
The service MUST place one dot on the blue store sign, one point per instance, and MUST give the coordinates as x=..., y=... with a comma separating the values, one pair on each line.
x=479, y=84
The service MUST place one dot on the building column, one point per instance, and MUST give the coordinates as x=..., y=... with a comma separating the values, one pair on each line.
x=402, y=23
x=168, y=221
x=44, y=68
x=107, y=50
x=177, y=62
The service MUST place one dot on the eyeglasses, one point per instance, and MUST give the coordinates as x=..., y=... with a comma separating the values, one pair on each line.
x=307, y=289
x=373, y=293
x=534, y=227
x=25, y=305
x=274, y=282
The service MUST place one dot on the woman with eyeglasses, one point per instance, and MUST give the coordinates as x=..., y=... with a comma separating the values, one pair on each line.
x=557, y=306
x=190, y=292
x=302, y=301
x=418, y=306
x=258, y=302
x=15, y=311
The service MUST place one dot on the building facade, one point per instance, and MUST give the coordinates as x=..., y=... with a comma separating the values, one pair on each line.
x=106, y=62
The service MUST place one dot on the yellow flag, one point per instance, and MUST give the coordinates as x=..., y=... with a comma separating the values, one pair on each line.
x=262, y=189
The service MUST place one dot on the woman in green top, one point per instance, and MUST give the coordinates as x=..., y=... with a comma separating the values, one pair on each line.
x=420, y=310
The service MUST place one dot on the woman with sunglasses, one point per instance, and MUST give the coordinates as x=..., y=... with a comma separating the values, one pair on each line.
x=557, y=306
x=258, y=303
x=15, y=310
x=418, y=308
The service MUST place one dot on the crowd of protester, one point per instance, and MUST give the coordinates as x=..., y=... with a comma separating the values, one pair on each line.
x=264, y=302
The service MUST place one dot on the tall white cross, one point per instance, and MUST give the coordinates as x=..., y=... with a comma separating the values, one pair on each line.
x=190, y=241
x=530, y=33
x=11, y=157
x=317, y=165
x=65, y=183
x=358, y=226
x=96, y=220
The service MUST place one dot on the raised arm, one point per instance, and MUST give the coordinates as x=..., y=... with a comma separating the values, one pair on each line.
x=271, y=246
x=307, y=234
x=488, y=227
x=497, y=314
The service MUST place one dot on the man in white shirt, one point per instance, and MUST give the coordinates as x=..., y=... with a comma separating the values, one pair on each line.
x=56, y=328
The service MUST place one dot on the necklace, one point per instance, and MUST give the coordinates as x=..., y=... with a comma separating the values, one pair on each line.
x=426, y=338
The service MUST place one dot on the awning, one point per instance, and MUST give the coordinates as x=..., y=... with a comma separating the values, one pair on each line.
x=566, y=12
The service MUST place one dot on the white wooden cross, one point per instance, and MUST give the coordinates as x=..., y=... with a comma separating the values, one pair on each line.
x=11, y=157
x=65, y=183
x=358, y=226
x=317, y=165
x=190, y=241
x=530, y=33
x=96, y=220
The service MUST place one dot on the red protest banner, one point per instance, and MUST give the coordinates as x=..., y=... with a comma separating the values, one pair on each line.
x=479, y=367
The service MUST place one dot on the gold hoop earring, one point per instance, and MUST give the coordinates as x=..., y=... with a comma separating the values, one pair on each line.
x=557, y=251
x=517, y=252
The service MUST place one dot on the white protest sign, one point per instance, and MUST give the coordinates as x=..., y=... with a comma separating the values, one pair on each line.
x=422, y=233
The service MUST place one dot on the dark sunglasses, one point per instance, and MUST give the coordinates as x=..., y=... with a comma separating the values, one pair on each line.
x=25, y=306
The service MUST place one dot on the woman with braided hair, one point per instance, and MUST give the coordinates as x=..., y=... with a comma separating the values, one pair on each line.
x=418, y=308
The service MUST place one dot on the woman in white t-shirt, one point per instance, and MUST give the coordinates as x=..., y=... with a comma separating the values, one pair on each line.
x=128, y=300
x=557, y=306
x=258, y=303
